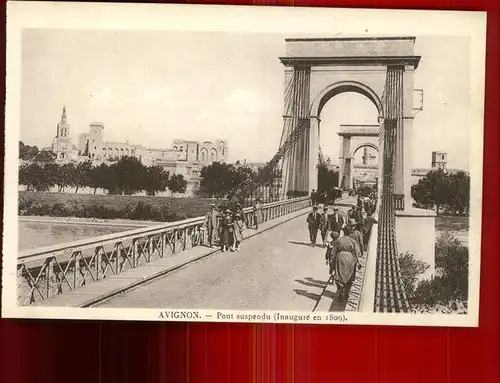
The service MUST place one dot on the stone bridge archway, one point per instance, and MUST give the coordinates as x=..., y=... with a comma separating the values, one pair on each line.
x=353, y=138
x=326, y=67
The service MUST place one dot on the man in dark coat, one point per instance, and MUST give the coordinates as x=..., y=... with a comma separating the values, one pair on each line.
x=212, y=224
x=313, y=222
x=324, y=225
x=314, y=197
x=367, y=227
x=336, y=220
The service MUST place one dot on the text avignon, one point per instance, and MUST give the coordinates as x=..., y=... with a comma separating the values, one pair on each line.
x=179, y=315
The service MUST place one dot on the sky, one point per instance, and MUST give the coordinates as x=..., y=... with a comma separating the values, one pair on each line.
x=151, y=87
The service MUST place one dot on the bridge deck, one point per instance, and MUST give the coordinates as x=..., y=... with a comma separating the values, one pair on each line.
x=276, y=269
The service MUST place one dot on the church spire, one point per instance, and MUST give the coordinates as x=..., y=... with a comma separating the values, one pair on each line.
x=63, y=127
x=63, y=117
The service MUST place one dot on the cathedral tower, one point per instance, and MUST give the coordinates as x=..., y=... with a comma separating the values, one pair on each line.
x=62, y=145
x=63, y=127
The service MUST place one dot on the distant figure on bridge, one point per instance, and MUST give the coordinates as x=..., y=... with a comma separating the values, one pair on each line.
x=357, y=235
x=336, y=221
x=238, y=226
x=351, y=213
x=358, y=214
x=314, y=197
x=360, y=202
x=226, y=230
x=344, y=254
x=367, y=228
x=324, y=224
x=212, y=224
x=257, y=213
x=313, y=222
x=367, y=204
x=332, y=237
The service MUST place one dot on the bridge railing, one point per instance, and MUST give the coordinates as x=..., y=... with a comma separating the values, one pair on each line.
x=363, y=298
x=48, y=271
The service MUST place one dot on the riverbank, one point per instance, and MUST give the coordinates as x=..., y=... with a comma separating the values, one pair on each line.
x=108, y=208
x=88, y=221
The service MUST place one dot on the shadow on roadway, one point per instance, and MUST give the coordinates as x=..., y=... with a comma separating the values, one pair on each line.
x=336, y=305
x=308, y=244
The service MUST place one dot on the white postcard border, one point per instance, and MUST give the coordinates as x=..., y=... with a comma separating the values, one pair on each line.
x=294, y=21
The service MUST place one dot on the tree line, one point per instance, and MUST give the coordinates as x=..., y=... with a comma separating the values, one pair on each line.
x=445, y=192
x=221, y=180
x=126, y=176
x=450, y=284
x=32, y=153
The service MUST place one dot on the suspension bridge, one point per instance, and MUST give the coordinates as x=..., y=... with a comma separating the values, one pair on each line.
x=169, y=266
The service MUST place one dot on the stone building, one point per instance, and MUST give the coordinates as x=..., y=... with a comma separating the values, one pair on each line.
x=439, y=160
x=183, y=157
x=62, y=144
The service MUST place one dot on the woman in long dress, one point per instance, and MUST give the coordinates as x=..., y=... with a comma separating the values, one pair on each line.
x=237, y=232
x=257, y=213
x=226, y=230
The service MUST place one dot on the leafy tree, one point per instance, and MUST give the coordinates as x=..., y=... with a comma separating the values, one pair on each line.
x=52, y=174
x=35, y=177
x=63, y=175
x=177, y=183
x=432, y=190
x=129, y=174
x=25, y=176
x=245, y=181
x=452, y=262
x=218, y=179
x=82, y=175
x=102, y=177
x=452, y=271
x=45, y=156
x=27, y=152
x=327, y=179
x=459, y=193
x=411, y=270
x=156, y=179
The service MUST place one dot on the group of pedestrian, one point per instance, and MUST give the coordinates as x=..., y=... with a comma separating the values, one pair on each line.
x=345, y=238
x=228, y=225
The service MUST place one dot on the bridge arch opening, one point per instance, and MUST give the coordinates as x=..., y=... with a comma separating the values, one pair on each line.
x=344, y=87
x=348, y=116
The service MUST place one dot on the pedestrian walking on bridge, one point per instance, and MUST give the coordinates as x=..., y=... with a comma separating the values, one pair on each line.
x=257, y=213
x=313, y=222
x=367, y=228
x=238, y=226
x=324, y=225
x=344, y=255
x=314, y=197
x=226, y=230
x=357, y=235
x=211, y=224
x=336, y=221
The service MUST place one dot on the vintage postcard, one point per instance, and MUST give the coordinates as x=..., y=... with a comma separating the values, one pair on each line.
x=243, y=164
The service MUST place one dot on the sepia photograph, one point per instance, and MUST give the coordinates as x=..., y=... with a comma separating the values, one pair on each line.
x=220, y=163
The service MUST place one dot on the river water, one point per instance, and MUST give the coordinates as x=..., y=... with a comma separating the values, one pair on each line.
x=37, y=234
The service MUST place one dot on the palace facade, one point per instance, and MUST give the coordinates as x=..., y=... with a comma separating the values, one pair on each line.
x=183, y=157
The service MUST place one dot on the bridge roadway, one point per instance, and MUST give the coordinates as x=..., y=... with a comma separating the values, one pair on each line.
x=275, y=270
